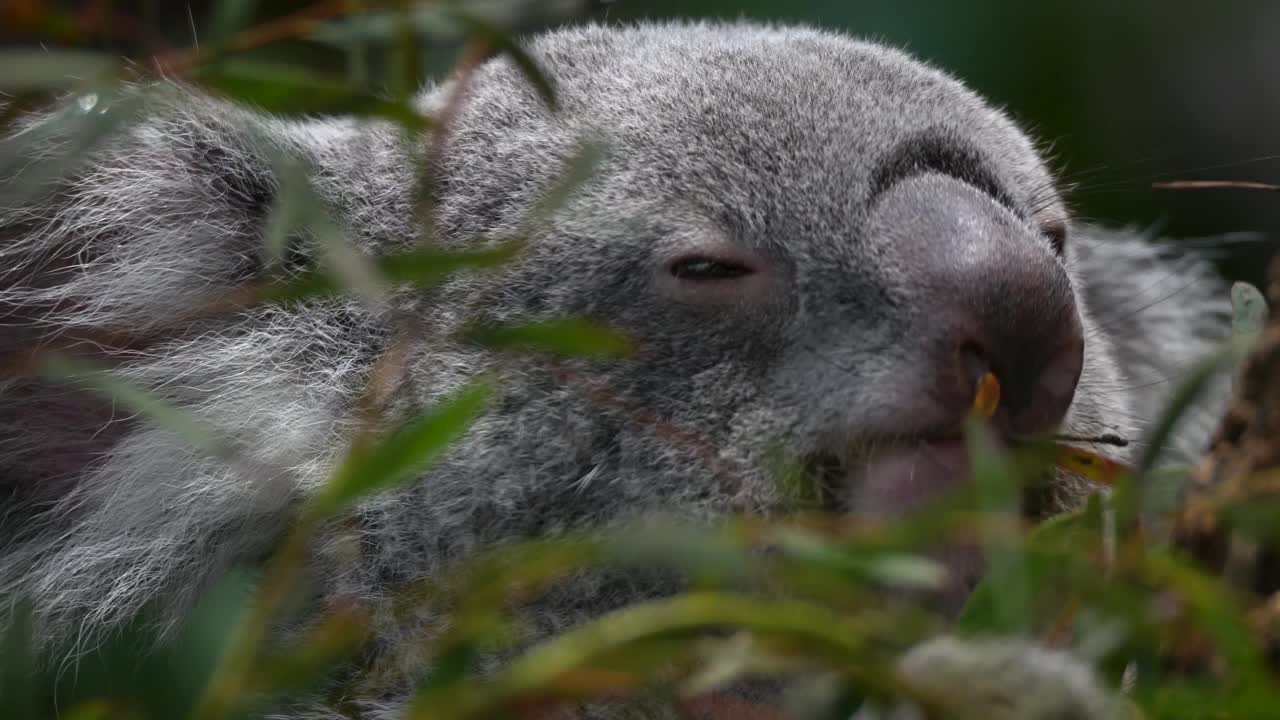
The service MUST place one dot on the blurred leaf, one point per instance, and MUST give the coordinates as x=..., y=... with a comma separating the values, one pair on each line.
x=64, y=369
x=538, y=672
x=406, y=56
x=897, y=570
x=427, y=267
x=439, y=24
x=423, y=269
x=577, y=172
x=228, y=17
x=173, y=677
x=52, y=69
x=65, y=139
x=1248, y=317
x=1183, y=398
x=999, y=497
x=296, y=90
x=91, y=710
x=1045, y=544
x=500, y=41
x=378, y=465
x=1129, y=492
x=569, y=337
x=335, y=638
x=354, y=271
x=289, y=208
x=18, y=665
x=1216, y=611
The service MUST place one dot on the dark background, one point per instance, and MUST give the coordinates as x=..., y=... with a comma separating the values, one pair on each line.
x=1125, y=92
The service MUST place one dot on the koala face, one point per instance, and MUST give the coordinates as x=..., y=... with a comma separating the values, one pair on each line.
x=819, y=246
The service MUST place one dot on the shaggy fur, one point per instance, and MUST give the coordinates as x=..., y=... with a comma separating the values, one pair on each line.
x=774, y=138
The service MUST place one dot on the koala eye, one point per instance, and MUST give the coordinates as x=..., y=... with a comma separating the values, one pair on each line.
x=1056, y=232
x=720, y=275
x=700, y=268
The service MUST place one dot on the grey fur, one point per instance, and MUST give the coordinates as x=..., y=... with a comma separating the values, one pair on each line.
x=767, y=135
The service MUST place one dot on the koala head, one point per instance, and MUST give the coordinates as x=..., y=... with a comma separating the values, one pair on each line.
x=818, y=247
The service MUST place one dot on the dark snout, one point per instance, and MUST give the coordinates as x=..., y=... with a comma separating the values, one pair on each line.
x=990, y=296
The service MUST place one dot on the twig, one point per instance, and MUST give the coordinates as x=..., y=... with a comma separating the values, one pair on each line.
x=1215, y=185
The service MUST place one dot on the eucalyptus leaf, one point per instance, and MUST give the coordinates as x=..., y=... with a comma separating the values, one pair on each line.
x=569, y=337
x=296, y=90
x=52, y=69
x=18, y=663
x=383, y=463
x=65, y=369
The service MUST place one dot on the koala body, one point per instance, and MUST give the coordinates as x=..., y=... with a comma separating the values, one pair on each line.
x=792, y=225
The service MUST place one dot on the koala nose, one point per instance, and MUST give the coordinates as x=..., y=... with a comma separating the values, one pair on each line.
x=990, y=296
x=1036, y=356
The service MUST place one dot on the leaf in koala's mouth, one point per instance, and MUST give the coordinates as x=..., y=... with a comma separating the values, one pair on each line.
x=987, y=397
x=1074, y=460
x=1090, y=465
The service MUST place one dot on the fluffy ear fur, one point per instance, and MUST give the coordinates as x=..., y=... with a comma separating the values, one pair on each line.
x=710, y=127
x=1164, y=310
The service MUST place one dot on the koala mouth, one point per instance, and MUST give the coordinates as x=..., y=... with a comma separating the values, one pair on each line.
x=888, y=480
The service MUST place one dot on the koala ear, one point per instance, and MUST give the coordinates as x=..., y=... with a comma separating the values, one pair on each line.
x=1138, y=290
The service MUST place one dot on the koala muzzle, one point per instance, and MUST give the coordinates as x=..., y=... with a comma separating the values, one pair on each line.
x=989, y=296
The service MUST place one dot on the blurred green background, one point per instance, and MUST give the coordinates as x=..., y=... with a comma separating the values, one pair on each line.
x=1124, y=92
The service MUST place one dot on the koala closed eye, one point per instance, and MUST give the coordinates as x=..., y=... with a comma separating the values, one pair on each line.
x=699, y=268
x=723, y=275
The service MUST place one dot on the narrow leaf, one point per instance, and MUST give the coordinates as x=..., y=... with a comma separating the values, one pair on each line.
x=61, y=368
x=999, y=496
x=294, y=90
x=336, y=637
x=17, y=665
x=228, y=17
x=373, y=467
x=423, y=269
x=569, y=337
x=502, y=42
x=44, y=70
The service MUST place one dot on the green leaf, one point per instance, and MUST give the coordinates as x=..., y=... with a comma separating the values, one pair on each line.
x=90, y=710
x=228, y=16
x=173, y=678
x=61, y=368
x=295, y=90
x=891, y=569
x=438, y=23
x=376, y=466
x=17, y=664
x=821, y=633
x=1216, y=611
x=1248, y=310
x=354, y=271
x=423, y=269
x=502, y=42
x=576, y=173
x=427, y=267
x=983, y=610
x=999, y=495
x=1248, y=317
x=570, y=337
x=289, y=208
x=335, y=638
x=55, y=69
x=67, y=138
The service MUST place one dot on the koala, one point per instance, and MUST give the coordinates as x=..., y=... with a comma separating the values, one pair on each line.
x=816, y=244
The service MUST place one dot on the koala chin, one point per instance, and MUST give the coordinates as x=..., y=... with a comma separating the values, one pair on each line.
x=817, y=244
